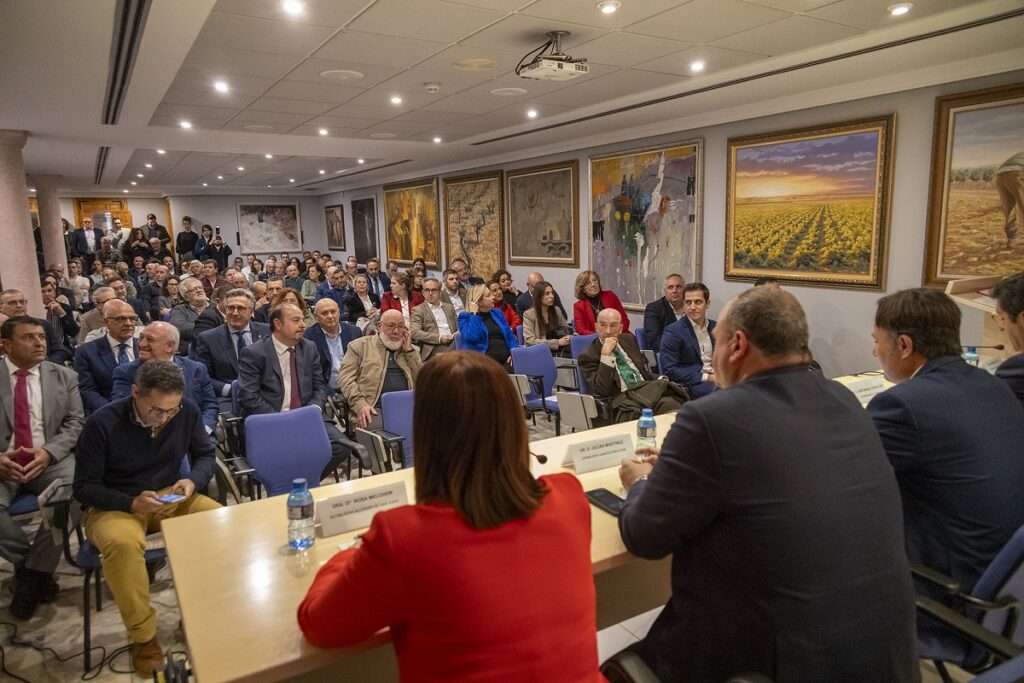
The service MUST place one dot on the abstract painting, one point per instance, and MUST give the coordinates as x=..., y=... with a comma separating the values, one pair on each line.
x=364, y=228
x=335, y=219
x=473, y=222
x=976, y=203
x=268, y=228
x=811, y=206
x=412, y=226
x=645, y=219
x=543, y=219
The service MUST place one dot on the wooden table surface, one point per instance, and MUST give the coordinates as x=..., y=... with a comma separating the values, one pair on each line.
x=239, y=585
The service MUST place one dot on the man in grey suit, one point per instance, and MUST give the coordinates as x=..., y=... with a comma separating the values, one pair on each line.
x=41, y=417
x=433, y=323
x=782, y=515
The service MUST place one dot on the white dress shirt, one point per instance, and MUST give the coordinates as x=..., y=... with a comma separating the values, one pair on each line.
x=440, y=318
x=456, y=300
x=35, y=401
x=128, y=348
x=285, y=362
x=704, y=341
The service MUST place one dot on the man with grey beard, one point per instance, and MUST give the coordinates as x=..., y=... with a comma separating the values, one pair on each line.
x=375, y=365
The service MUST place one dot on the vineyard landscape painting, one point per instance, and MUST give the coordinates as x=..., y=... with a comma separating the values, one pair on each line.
x=811, y=206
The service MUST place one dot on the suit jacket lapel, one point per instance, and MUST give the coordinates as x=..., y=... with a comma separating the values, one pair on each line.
x=48, y=385
x=688, y=326
x=106, y=355
x=271, y=352
x=7, y=394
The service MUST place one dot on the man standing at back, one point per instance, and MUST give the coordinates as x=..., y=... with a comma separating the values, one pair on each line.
x=782, y=515
x=953, y=433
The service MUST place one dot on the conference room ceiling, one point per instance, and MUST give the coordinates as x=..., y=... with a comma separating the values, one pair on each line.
x=315, y=90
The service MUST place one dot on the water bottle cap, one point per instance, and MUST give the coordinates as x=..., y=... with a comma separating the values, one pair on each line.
x=301, y=481
x=646, y=412
x=972, y=349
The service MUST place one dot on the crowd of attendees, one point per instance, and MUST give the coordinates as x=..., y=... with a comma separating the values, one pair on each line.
x=139, y=350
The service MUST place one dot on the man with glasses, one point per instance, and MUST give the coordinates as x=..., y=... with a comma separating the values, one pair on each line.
x=96, y=361
x=13, y=304
x=129, y=462
x=433, y=323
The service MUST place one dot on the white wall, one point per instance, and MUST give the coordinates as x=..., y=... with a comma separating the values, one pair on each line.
x=139, y=206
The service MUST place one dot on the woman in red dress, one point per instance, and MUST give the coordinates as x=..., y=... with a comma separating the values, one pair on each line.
x=591, y=300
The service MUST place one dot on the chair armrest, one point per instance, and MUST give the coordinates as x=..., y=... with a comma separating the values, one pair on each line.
x=946, y=583
x=627, y=667
x=238, y=466
x=969, y=629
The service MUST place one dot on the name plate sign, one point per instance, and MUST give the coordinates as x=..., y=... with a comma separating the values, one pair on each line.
x=351, y=511
x=598, y=454
x=865, y=389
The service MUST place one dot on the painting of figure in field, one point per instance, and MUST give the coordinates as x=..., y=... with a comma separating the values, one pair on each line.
x=411, y=224
x=809, y=206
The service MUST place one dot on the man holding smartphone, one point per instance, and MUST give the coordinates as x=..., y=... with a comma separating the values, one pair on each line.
x=129, y=477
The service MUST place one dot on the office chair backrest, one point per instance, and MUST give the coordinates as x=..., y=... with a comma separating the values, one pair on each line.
x=1004, y=576
x=577, y=345
x=286, y=446
x=641, y=337
x=520, y=337
x=396, y=413
x=457, y=340
x=533, y=361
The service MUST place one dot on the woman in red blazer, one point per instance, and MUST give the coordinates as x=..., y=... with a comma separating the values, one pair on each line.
x=488, y=576
x=401, y=297
x=591, y=300
x=498, y=298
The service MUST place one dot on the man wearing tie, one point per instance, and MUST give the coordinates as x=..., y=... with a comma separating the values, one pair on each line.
x=218, y=349
x=40, y=420
x=96, y=361
x=379, y=282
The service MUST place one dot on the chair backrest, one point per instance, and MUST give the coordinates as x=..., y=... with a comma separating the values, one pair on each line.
x=519, y=335
x=576, y=410
x=533, y=361
x=1007, y=672
x=396, y=413
x=286, y=446
x=236, y=407
x=577, y=344
x=522, y=385
x=1004, y=576
x=641, y=337
x=457, y=340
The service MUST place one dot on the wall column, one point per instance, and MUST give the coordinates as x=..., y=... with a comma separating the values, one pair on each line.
x=18, y=265
x=49, y=220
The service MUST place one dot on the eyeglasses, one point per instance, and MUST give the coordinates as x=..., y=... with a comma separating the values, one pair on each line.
x=431, y=289
x=165, y=411
x=392, y=326
x=237, y=309
x=124, y=318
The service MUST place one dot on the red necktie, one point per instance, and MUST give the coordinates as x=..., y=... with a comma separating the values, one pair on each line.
x=22, y=418
x=296, y=401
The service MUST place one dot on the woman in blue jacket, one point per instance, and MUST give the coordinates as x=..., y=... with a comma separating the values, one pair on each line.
x=484, y=328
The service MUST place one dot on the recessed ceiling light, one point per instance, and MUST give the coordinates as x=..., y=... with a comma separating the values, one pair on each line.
x=291, y=180
x=899, y=9
x=608, y=6
x=269, y=185
x=241, y=168
x=382, y=136
x=508, y=92
x=149, y=165
x=697, y=65
x=206, y=184
x=341, y=75
x=185, y=124
x=293, y=7
x=139, y=175
x=395, y=99
x=322, y=171
x=323, y=131
x=220, y=177
x=220, y=86
x=474, y=64
x=269, y=156
x=125, y=191
x=134, y=183
x=258, y=127
x=532, y=113
x=362, y=161
x=31, y=189
x=161, y=151
x=437, y=139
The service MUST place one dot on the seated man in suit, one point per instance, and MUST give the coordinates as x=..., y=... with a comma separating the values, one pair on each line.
x=377, y=281
x=953, y=434
x=525, y=299
x=665, y=311
x=433, y=323
x=376, y=364
x=96, y=361
x=14, y=304
x=283, y=372
x=452, y=291
x=59, y=315
x=158, y=341
x=773, y=538
x=1009, y=296
x=183, y=316
x=129, y=456
x=121, y=292
x=93, y=318
x=40, y=420
x=275, y=284
x=332, y=338
x=338, y=289
x=615, y=369
x=687, y=344
x=218, y=349
x=466, y=277
x=213, y=315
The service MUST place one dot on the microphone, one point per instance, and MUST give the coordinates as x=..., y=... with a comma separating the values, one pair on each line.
x=542, y=459
x=997, y=347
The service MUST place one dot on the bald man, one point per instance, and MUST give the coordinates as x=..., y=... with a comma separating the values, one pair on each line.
x=95, y=361
x=331, y=337
x=525, y=299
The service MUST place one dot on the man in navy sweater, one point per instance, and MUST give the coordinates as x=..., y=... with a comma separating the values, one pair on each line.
x=129, y=459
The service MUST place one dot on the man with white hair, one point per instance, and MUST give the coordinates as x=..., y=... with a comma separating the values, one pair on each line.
x=332, y=337
x=183, y=316
x=375, y=365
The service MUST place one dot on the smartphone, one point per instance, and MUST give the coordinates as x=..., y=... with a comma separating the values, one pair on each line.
x=170, y=498
x=606, y=500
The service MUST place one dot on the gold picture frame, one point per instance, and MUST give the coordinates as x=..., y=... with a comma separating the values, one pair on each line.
x=412, y=225
x=474, y=221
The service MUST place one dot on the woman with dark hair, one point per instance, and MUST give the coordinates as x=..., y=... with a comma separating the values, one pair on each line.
x=138, y=245
x=419, y=264
x=484, y=328
x=456, y=611
x=416, y=278
x=293, y=296
x=401, y=297
x=591, y=300
x=508, y=290
x=169, y=295
x=202, y=248
x=363, y=304
x=543, y=323
x=314, y=278
x=498, y=299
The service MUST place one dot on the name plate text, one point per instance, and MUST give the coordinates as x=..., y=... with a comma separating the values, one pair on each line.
x=866, y=388
x=598, y=454
x=351, y=511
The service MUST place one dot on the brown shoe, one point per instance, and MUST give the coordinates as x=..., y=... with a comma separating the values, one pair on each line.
x=147, y=657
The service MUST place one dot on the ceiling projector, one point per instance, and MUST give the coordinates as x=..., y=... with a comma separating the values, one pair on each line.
x=553, y=66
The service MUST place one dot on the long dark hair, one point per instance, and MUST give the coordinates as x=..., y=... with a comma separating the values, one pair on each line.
x=551, y=322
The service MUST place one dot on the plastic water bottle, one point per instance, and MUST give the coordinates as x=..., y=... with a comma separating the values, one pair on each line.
x=646, y=430
x=971, y=356
x=301, y=533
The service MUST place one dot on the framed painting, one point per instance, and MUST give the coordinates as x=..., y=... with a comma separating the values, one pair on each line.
x=412, y=226
x=364, y=228
x=543, y=218
x=811, y=206
x=645, y=208
x=334, y=217
x=976, y=202
x=268, y=228
x=474, y=221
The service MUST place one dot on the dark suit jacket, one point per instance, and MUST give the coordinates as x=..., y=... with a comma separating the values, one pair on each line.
x=787, y=552
x=262, y=313
x=95, y=363
x=207, y=320
x=62, y=410
x=385, y=284
x=1012, y=372
x=316, y=335
x=354, y=310
x=680, y=352
x=198, y=387
x=149, y=295
x=954, y=436
x=56, y=350
x=216, y=350
x=525, y=301
x=604, y=380
x=80, y=246
x=139, y=309
x=657, y=316
x=261, y=386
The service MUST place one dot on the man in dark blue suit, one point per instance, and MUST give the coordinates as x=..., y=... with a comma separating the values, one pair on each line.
x=687, y=345
x=782, y=516
x=331, y=337
x=96, y=361
x=218, y=349
x=525, y=298
x=275, y=285
x=953, y=434
x=1009, y=296
x=661, y=313
x=378, y=282
x=85, y=242
x=159, y=341
x=338, y=289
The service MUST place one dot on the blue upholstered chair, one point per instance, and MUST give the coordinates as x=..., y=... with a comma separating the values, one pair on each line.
x=281, y=447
